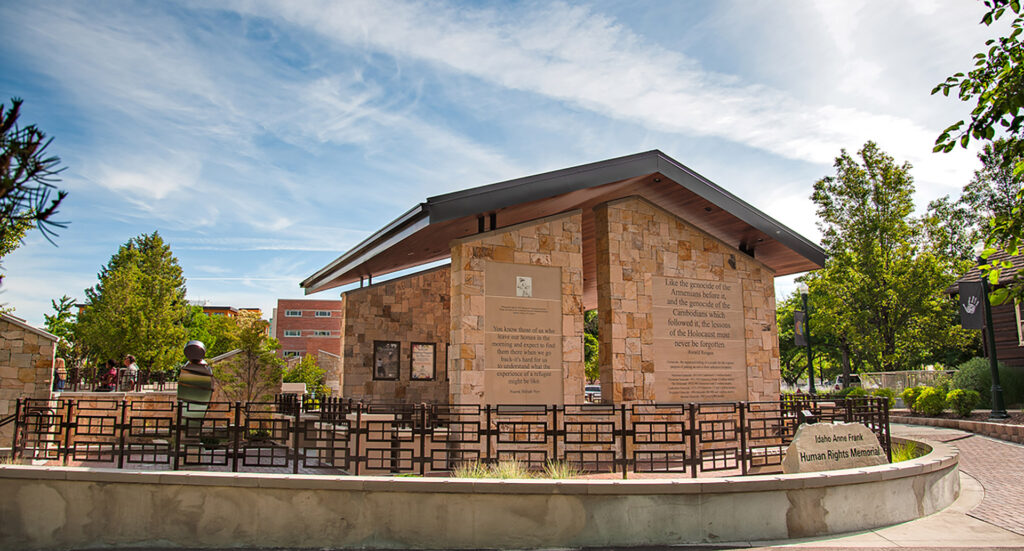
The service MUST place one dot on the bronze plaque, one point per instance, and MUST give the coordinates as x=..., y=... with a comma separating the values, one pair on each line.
x=523, y=334
x=699, y=346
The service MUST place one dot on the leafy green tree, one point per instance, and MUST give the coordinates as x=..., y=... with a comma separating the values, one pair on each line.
x=307, y=371
x=138, y=307
x=218, y=333
x=63, y=325
x=996, y=87
x=882, y=286
x=28, y=175
x=253, y=375
x=591, y=360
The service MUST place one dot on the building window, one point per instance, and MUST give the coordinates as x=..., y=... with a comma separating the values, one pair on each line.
x=323, y=313
x=293, y=313
x=292, y=333
x=321, y=333
x=292, y=353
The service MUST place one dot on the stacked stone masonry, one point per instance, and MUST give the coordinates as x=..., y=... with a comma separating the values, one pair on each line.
x=26, y=367
x=411, y=309
x=636, y=241
x=553, y=241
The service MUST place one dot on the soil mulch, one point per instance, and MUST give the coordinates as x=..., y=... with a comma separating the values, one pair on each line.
x=1016, y=416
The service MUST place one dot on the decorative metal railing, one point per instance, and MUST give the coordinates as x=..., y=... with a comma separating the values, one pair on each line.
x=88, y=379
x=334, y=435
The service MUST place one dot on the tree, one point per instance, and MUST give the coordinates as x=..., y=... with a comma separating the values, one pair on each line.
x=63, y=325
x=591, y=360
x=138, y=307
x=882, y=288
x=996, y=86
x=27, y=178
x=218, y=333
x=254, y=374
x=307, y=371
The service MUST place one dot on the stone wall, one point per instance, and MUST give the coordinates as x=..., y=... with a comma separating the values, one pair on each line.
x=555, y=241
x=637, y=242
x=26, y=366
x=333, y=371
x=412, y=309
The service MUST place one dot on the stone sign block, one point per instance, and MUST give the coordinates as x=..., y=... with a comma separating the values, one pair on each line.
x=699, y=346
x=832, y=446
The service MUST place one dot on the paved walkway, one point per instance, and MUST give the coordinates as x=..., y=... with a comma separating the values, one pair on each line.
x=989, y=513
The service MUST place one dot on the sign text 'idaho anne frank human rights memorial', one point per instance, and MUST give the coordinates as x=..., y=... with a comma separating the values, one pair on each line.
x=680, y=271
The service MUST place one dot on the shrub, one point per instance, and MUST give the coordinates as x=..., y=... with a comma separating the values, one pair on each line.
x=963, y=401
x=503, y=469
x=856, y=392
x=931, y=401
x=909, y=397
x=562, y=469
x=976, y=374
x=886, y=393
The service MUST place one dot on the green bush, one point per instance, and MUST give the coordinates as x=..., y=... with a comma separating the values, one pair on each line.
x=975, y=374
x=963, y=401
x=887, y=393
x=931, y=401
x=906, y=451
x=909, y=396
x=856, y=392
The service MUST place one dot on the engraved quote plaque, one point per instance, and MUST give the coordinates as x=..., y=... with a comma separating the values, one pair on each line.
x=699, y=345
x=523, y=334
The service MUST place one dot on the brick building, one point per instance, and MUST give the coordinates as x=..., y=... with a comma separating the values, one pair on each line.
x=305, y=326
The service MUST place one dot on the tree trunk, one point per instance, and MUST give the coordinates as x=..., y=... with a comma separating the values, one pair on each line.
x=845, y=349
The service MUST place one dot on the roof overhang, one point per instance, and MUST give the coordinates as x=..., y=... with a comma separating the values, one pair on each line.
x=423, y=233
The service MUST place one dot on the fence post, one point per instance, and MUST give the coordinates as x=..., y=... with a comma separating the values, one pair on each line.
x=624, y=448
x=743, y=438
x=487, y=433
x=17, y=425
x=358, y=432
x=238, y=434
x=123, y=427
x=694, y=435
x=554, y=433
x=68, y=422
x=423, y=439
x=886, y=428
x=177, y=436
x=295, y=436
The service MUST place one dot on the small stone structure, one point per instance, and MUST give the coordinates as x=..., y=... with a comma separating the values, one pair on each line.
x=680, y=271
x=831, y=446
x=26, y=366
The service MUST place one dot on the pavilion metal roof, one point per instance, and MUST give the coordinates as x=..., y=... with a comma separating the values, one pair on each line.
x=423, y=233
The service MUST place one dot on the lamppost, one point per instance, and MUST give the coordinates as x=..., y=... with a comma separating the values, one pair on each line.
x=803, y=290
x=998, y=408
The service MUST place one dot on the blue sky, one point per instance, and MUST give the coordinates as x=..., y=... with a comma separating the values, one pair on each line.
x=264, y=138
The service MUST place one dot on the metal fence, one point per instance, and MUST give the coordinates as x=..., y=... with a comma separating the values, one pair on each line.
x=342, y=436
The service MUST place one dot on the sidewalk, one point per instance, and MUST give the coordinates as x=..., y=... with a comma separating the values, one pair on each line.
x=988, y=514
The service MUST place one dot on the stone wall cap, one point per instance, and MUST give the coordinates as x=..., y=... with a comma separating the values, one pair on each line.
x=14, y=320
x=942, y=457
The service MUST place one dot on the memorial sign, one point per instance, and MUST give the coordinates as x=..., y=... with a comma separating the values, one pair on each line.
x=832, y=446
x=385, y=360
x=522, y=334
x=699, y=347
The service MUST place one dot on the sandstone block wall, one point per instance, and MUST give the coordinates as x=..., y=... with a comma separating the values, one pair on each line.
x=412, y=309
x=26, y=367
x=553, y=241
x=636, y=241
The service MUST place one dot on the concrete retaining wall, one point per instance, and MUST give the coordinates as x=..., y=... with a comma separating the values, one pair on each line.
x=1002, y=431
x=63, y=508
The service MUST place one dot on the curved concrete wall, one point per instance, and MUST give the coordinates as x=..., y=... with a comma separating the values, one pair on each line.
x=62, y=508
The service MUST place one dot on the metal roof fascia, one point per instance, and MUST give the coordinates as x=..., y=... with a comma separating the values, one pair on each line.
x=359, y=253
x=521, y=190
x=740, y=209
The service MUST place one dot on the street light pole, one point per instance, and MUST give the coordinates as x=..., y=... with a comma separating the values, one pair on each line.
x=998, y=408
x=807, y=332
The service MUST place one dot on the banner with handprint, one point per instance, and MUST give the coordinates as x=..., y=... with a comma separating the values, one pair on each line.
x=972, y=311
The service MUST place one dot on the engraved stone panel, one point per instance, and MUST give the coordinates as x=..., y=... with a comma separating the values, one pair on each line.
x=523, y=334
x=699, y=345
x=832, y=446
